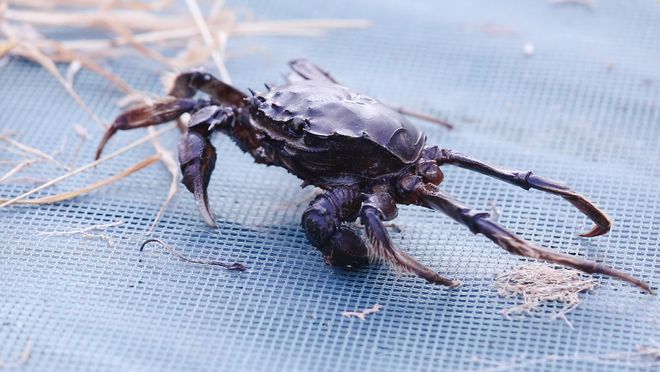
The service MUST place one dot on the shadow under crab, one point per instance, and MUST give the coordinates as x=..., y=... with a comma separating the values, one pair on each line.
x=364, y=154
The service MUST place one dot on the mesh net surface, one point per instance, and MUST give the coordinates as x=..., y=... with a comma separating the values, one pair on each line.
x=583, y=108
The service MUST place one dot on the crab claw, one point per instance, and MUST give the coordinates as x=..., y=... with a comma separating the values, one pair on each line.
x=526, y=180
x=600, y=218
x=597, y=230
x=197, y=158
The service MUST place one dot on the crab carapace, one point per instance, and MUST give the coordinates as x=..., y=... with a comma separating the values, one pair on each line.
x=364, y=155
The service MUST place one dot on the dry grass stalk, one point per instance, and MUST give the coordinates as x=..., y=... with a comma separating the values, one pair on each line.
x=34, y=151
x=85, y=167
x=363, y=313
x=72, y=71
x=149, y=30
x=208, y=39
x=19, y=167
x=83, y=134
x=23, y=45
x=82, y=230
x=173, y=168
x=62, y=54
x=87, y=189
x=36, y=55
x=539, y=284
x=233, y=266
x=7, y=47
x=14, y=151
x=121, y=4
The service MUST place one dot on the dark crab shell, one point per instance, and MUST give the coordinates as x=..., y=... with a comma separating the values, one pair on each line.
x=334, y=130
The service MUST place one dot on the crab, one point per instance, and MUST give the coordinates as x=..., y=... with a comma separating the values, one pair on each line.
x=364, y=155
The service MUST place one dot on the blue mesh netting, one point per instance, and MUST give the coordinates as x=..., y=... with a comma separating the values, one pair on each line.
x=583, y=109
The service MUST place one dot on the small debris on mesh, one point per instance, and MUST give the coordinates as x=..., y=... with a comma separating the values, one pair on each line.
x=233, y=266
x=497, y=213
x=105, y=238
x=651, y=352
x=23, y=358
x=589, y=4
x=494, y=29
x=642, y=357
x=528, y=49
x=539, y=284
x=82, y=230
x=83, y=134
x=72, y=72
x=81, y=131
x=362, y=314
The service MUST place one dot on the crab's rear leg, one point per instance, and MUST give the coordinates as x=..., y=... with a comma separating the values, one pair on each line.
x=430, y=196
x=380, y=207
x=527, y=180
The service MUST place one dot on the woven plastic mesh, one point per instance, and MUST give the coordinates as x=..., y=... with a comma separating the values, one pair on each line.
x=583, y=108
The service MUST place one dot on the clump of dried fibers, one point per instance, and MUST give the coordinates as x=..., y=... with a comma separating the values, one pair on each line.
x=539, y=284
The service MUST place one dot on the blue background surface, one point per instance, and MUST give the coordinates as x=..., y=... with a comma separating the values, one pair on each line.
x=584, y=108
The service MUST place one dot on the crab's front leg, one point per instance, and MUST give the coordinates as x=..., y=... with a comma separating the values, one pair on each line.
x=197, y=155
x=162, y=111
x=323, y=222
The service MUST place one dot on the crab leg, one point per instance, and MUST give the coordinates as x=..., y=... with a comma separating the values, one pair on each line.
x=479, y=222
x=382, y=247
x=380, y=207
x=185, y=85
x=527, y=180
x=197, y=159
x=309, y=71
x=159, y=112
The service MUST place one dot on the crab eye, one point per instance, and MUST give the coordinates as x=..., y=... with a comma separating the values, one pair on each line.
x=298, y=123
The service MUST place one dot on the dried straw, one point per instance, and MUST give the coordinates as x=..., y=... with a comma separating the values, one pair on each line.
x=82, y=230
x=84, y=167
x=539, y=284
x=87, y=189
